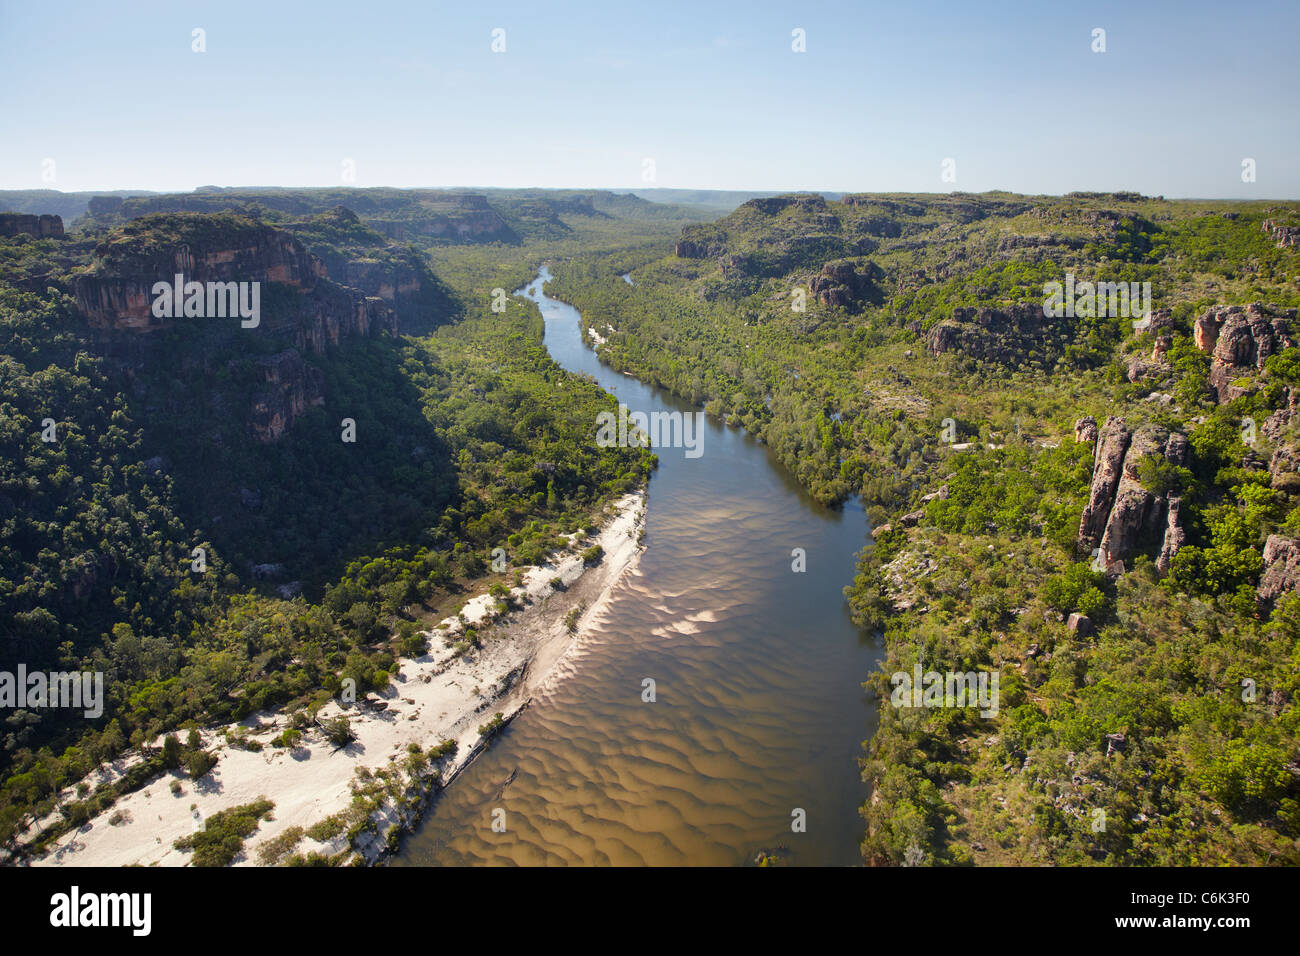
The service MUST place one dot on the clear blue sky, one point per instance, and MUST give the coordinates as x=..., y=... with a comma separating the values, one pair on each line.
x=712, y=92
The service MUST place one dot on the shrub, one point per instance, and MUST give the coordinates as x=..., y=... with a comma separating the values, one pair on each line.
x=223, y=834
x=338, y=731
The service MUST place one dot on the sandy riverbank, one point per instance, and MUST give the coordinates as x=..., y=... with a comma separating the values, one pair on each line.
x=439, y=696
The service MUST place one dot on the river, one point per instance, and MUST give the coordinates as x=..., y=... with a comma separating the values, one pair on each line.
x=759, y=711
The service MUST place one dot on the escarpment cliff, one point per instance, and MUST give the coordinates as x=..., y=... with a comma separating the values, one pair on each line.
x=36, y=226
x=117, y=293
x=1122, y=512
x=300, y=312
x=289, y=387
x=357, y=257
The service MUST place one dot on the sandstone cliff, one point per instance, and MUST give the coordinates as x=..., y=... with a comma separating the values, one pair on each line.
x=1122, y=513
x=847, y=283
x=1240, y=339
x=303, y=313
x=24, y=224
x=116, y=294
x=1003, y=334
x=1281, y=568
x=291, y=386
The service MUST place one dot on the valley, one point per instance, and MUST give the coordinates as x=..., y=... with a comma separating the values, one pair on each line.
x=899, y=460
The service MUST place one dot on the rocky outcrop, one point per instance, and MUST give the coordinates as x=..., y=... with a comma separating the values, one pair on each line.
x=291, y=387
x=1160, y=350
x=1279, y=429
x=846, y=283
x=1240, y=339
x=1284, y=235
x=1121, y=511
x=1140, y=371
x=1281, y=568
x=1002, y=334
x=25, y=224
x=1085, y=429
x=1175, y=536
x=1108, y=463
x=116, y=295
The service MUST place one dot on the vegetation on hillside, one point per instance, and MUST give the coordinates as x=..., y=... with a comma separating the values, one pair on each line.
x=856, y=400
x=320, y=559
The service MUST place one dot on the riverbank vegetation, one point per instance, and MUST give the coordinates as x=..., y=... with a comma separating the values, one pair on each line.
x=210, y=575
x=895, y=347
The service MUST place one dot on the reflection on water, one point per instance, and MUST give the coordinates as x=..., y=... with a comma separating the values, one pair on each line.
x=759, y=708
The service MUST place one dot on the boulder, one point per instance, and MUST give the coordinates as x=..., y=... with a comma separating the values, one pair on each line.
x=1079, y=624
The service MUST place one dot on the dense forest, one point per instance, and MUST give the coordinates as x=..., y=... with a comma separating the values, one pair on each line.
x=897, y=347
x=182, y=511
x=223, y=521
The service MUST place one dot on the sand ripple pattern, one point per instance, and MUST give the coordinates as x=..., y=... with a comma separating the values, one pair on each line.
x=758, y=669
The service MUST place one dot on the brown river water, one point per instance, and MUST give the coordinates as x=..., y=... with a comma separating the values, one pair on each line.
x=759, y=709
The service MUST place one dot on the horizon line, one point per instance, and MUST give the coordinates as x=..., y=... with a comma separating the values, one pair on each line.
x=632, y=190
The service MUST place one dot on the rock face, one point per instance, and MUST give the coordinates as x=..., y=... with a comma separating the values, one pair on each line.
x=1108, y=463
x=1121, y=512
x=846, y=283
x=1240, y=339
x=1175, y=536
x=1279, y=429
x=117, y=295
x=1206, y=332
x=1001, y=335
x=25, y=224
x=302, y=313
x=292, y=386
x=1284, y=235
x=1281, y=568
x=1085, y=429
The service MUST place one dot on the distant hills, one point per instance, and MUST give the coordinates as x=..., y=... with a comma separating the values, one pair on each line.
x=423, y=216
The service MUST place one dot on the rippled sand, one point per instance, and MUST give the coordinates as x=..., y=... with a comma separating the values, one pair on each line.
x=757, y=671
